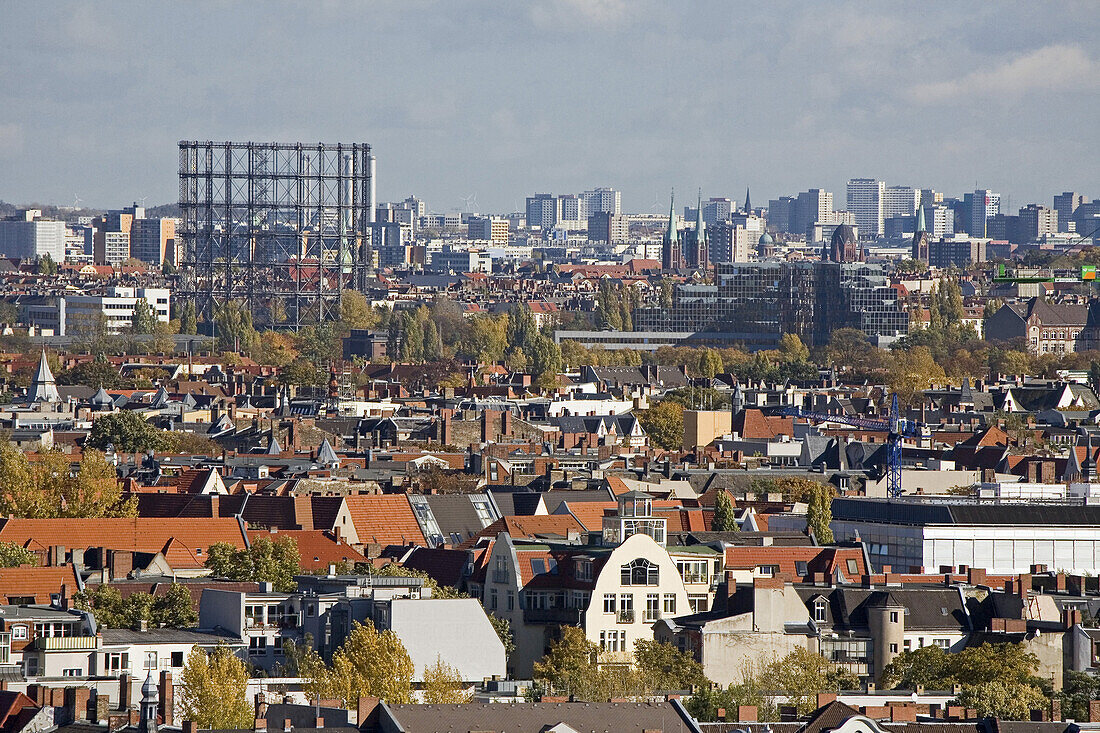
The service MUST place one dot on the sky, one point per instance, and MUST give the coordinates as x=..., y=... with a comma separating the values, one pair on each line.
x=490, y=102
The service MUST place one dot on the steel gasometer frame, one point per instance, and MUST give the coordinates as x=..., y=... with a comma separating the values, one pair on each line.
x=283, y=228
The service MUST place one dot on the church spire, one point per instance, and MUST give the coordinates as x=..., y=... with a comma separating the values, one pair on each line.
x=700, y=227
x=748, y=202
x=43, y=386
x=921, y=226
x=671, y=235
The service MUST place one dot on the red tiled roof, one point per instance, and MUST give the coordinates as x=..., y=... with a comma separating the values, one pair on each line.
x=591, y=513
x=386, y=519
x=817, y=559
x=532, y=526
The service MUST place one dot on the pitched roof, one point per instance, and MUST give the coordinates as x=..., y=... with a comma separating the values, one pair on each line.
x=584, y=717
x=39, y=582
x=790, y=560
x=138, y=534
x=533, y=527
x=385, y=520
x=316, y=548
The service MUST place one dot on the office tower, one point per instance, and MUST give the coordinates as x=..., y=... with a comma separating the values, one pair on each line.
x=929, y=198
x=603, y=199
x=572, y=211
x=900, y=201
x=153, y=241
x=543, y=211
x=735, y=239
x=779, y=213
x=811, y=207
x=956, y=252
x=717, y=209
x=604, y=226
x=757, y=303
x=1037, y=221
x=1066, y=205
x=28, y=236
x=941, y=219
x=980, y=206
x=672, y=253
x=865, y=201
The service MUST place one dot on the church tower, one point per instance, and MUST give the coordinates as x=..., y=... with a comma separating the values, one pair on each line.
x=672, y=251
x=920, y=237
x=698, y=254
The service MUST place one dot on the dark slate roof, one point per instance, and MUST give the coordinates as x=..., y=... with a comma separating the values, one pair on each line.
x=443, y=566
x=926, y=607
x=454, y=514
x=590, y=717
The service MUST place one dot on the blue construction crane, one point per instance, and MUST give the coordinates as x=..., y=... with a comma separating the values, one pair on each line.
x=894, y=426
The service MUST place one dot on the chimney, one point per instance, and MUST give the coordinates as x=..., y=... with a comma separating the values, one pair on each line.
x=287, y=725
x=259, y=725
x=747, y=714
x=824, y=698
x=167, y=708
x=319, y=722
x=190, y=726
x=125, y=692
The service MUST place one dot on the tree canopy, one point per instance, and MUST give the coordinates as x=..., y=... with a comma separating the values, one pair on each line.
x=213, y=690
x=370, y=662
x=174, y=609
x=263, y=561
x=127, y=432
x=49, y=488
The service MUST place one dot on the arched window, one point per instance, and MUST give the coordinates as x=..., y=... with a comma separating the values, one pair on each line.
x=640, y=572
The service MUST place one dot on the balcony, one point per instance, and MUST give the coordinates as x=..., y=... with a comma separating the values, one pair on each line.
x=625, y=616
x=563, y=616
x=65, y=643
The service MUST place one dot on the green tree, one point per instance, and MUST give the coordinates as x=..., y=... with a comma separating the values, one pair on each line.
x=819, y=513
x=47, y=265
x=443, y=685
x=433, y=344
x=1005, y=699
x=664, y=424
x=265, y=561
x=725, y=516
x=503, y=627
x=664, y=667
x=127, y=432
x=92, y=374
x=172, y=610
x=369, y=663
x=355, y=311
x=710, y=363
x=233, y=328
x=394, y=570
x=213, y=690
x=13, y=555
x=412, y=343
x=545, y=361
x=143, y=321
x=792, y=349
x=487, y=339
x=849, y=350
x=1078, y=688
x=570, y=664
x=185, y=312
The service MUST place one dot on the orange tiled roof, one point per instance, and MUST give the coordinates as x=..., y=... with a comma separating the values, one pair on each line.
x=387, y=519
x=817, y=559
x=591, y=513
x=316, y=548
x=38, y=582
x=139, y=534
x=532, y=526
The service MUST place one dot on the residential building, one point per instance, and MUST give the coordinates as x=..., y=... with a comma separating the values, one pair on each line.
x=603, y=200
x=809, y=208
x=957, y=252
x=573, y=211
x=115, y=309
x=900, y=201
x=779, y=213
x=152, y=241
x=1048, y=328
x=30, y=237
x=491, y=228
x=543, y=211
x=604, y=226
x=735, y=239
x=866, y=198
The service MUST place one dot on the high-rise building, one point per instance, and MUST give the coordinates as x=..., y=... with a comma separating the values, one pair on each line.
x=956, y=252
x=900, y=201
x=572, y=211
x=489, y=228
x=735, y=239
x=981, y=206
x=153, y=241
x=865, y=201
x=603, y=199
x=604, y=226
x=779, y=213
x=1037, y=221
x=28, y=236
x=717, y=209
x=543, y=210
x=1066, y=205
x=941, y=220
x=811, y=207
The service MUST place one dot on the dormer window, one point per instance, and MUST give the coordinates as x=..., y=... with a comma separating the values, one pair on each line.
x=640, y=572
x=820, y=611
x=584, y=569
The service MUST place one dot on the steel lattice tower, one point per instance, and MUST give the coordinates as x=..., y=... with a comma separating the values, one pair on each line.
x=284, y=228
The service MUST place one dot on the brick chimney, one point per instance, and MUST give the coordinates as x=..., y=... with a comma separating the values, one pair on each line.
x=167, y=706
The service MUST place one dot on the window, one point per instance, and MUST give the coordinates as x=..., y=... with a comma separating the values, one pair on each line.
x=116, y=662
x=669, y=607
x=492, y=599
x=483, y=512
x=538, y=566
x=693, y=571
x=942, y=643
x=626, y=609
x=640, y=572
x=698, y=603
x=768, y=570
x=150, y=660
x=75, y=672
x=32, y=666
x=584, y=569
x=253, y=616
x=820, y=615
x=609, y=603
x=511, y=601
x=177, y=659
x=652, y=607
x=853, y=567
x=893, y=617
x=311, y=611
x=18, y=632
x=257, y=645
x=800, y=567
x=893, y=648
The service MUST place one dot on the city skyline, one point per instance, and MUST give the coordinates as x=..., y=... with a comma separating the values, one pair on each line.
x=781, y=98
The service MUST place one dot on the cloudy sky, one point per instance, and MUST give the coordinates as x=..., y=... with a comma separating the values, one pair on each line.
x=503, y=99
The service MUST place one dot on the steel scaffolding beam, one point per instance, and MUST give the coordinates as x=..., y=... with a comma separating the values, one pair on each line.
x=283, y=227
